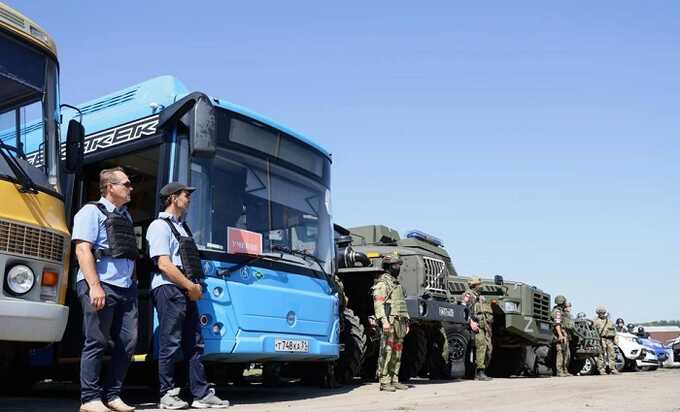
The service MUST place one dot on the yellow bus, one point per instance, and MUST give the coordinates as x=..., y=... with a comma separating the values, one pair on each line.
x=34, y=237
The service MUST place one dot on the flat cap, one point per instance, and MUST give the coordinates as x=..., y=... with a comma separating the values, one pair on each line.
x=174, y=187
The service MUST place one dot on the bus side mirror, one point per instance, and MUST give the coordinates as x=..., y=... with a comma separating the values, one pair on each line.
x=202, y=124
x=75, y=146
x=197, y=114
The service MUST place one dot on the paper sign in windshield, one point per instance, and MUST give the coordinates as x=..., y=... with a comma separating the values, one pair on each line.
x=243, y=241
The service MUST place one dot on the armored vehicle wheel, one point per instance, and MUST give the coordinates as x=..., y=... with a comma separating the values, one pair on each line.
x=415, y=353
x=460, y=351
x=353, y=339
x=586, y=366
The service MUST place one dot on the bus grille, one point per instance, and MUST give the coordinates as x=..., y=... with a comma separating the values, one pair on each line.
x=542, y=306
x=435, y=274
x=30, y=241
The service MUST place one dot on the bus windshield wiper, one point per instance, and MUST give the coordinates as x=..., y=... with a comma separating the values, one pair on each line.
x=229, y=271
x=27, y=185
x=308, y=256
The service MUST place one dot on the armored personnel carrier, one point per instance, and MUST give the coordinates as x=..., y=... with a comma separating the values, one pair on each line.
x=522, y=329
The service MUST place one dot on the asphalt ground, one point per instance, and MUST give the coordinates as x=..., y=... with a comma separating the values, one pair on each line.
x=634, y=391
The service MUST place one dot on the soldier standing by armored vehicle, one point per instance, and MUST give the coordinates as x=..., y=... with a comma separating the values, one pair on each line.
x=568, y=323
x=561, y=343
x=392, y=315
x=607, y=331
x=481, y=324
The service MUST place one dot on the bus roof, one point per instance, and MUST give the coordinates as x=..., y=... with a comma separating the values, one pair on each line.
x=25, y=28
x=149, y=97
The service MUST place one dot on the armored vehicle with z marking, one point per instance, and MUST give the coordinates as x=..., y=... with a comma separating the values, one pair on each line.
x=522, y=331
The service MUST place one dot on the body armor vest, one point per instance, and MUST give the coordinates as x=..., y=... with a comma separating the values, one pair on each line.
x=120, y=234
x=395, y=301
x=188, y=251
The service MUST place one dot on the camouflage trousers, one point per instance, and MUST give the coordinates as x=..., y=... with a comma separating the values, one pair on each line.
x=391, y=345
x=607, y=357
x=561, y=357
x=483, y=347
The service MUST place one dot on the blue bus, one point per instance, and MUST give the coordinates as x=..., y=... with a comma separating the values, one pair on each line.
x=268, y=301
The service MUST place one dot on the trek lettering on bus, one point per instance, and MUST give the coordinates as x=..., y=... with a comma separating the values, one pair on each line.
x=107, y=138
x=241, y=241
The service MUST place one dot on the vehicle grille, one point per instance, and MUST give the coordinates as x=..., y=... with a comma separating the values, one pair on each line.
x=457, y=288
x=492, y=290
x=542, y=306
x=435, y=274
x=29, y=241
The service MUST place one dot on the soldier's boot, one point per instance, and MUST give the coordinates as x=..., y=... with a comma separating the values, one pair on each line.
x=614, y=371
x=387, y=387
x=399, y=386
x=481, y=376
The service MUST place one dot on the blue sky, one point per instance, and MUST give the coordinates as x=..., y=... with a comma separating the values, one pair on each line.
x=539, y=140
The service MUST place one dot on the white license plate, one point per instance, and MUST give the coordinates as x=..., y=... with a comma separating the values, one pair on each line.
x=289, y=345
x=447, y=312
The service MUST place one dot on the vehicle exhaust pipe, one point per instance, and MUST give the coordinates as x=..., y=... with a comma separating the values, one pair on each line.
x=346, y=256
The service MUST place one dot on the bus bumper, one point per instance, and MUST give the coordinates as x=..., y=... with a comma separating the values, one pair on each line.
x=26, y=321
x=258, y=347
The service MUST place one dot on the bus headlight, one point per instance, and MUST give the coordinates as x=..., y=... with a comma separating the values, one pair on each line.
x=20, y=279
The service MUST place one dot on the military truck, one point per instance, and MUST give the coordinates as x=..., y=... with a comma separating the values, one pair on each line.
x=424, y=275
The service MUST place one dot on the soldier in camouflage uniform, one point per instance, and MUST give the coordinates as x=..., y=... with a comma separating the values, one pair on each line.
x=481, y=321
x=389, y=305
x=560, y=336
x=605, y=327
x=568, y=323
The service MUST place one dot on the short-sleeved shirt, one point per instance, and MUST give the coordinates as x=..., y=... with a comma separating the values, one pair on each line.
x=88, y=225
x=163, y=243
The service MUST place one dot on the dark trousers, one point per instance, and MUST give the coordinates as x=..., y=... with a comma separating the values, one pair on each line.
x=116, y=322
x=179, y=328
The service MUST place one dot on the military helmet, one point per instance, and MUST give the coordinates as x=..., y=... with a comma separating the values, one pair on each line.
x=560, y=300
x=391, y=259
x=600, y=309
x=475, y=280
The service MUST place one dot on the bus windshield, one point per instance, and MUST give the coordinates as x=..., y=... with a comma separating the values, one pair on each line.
x=289, y=209
x=28, y=91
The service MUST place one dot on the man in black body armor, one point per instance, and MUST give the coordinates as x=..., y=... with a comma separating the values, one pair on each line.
x=106, y=249
x=176, y=289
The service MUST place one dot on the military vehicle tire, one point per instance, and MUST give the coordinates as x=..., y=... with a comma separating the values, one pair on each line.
x=584, y=367
x=414, y=353
x=460, y=352
x=353, y=337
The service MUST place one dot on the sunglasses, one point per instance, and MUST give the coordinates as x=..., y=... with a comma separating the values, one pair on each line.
x=127, y=184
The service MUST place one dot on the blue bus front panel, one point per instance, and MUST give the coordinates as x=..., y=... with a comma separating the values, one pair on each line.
x=245, y=313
